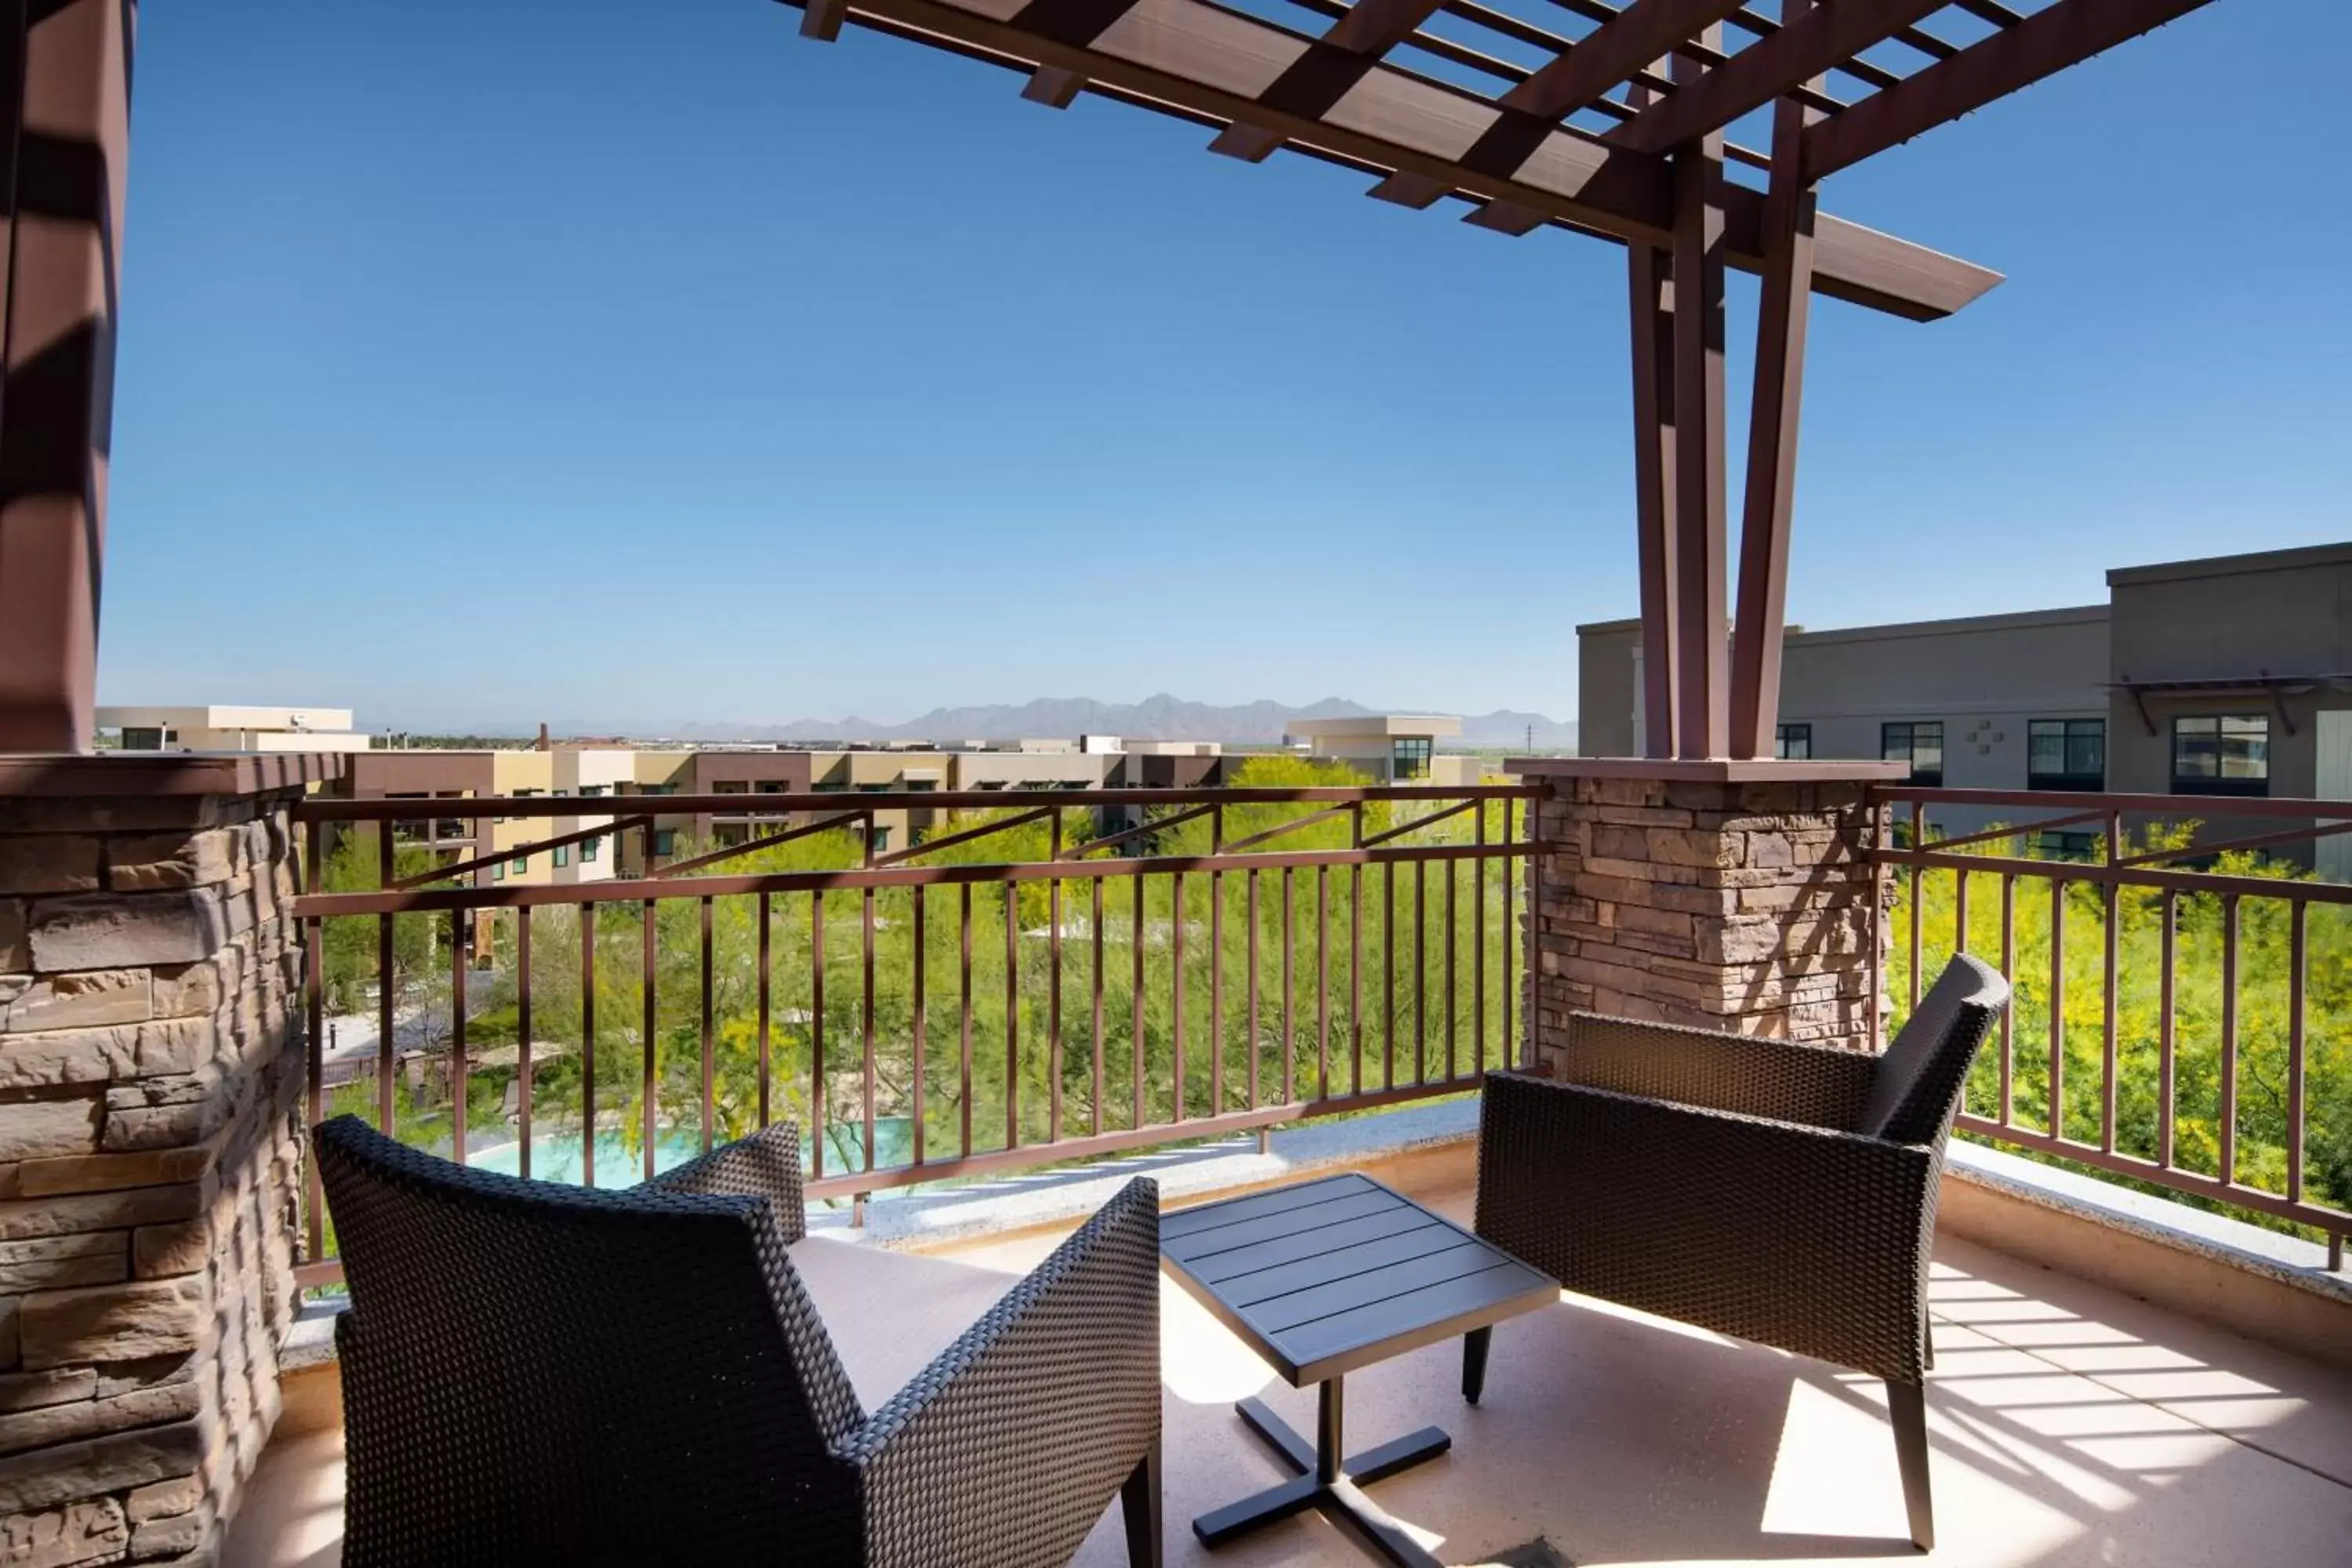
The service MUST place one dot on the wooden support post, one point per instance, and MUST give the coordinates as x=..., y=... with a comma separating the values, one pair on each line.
x=1649, y=279
x=64, y=109
x=1769, y=508
x=1704, y=727
x=1647, y=273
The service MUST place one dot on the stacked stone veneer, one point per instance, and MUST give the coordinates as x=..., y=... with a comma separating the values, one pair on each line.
x=1728, y=905
x=150, y=1067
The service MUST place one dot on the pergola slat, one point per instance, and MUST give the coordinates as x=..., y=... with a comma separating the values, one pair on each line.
x=2067, y=34
x=1204, y=62
x=1819, y=40
x=1612, y=53
x=1328, y=71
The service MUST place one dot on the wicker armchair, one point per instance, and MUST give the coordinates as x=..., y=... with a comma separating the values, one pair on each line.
x=1779, y=1192
x=541, y=1374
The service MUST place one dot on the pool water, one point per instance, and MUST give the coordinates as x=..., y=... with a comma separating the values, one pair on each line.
x=555, y=1157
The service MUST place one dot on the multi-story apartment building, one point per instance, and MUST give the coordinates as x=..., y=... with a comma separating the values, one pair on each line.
x=2228, y=676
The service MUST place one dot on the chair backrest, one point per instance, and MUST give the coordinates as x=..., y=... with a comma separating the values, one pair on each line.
x=546, y=1374
x=1917, y=1085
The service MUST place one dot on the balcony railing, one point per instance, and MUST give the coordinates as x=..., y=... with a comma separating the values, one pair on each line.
x=1059, y=979
x=2183, y=1007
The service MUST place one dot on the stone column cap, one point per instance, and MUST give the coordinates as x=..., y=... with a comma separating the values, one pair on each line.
x=1710, y=770
x=121, y=774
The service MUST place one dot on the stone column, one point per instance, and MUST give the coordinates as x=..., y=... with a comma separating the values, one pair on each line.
x=151, y=1067
x=1722, y=895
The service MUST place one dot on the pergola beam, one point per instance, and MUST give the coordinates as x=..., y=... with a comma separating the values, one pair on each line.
x=1201, y=61
x=64, y=109
x=1819, y=40
x=2067, y=34
x=1648, y=277
x=1768, y=511
x=1702, y=725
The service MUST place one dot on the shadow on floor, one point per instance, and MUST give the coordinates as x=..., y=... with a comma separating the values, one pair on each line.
x=2070, y=1426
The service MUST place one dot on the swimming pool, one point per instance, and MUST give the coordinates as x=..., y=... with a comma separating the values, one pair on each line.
x=555, y=1156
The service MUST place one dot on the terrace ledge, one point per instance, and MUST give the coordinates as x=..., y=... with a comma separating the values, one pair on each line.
x=119, y=774
x=1709, y=770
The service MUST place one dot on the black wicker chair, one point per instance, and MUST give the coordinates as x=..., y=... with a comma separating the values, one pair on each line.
x=538, y=1373
x=1779, y=1192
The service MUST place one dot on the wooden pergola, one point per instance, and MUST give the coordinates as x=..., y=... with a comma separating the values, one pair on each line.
x=1606, y=120
x=1611, y=122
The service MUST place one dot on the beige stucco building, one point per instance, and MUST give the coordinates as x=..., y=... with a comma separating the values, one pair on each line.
x=1390, y=748
x=231, y=727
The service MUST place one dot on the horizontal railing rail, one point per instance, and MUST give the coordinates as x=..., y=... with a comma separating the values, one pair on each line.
x=2169, y=1024
x=1034, y=995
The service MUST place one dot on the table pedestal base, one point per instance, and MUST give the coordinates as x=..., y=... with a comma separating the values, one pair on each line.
x=1327, y=1481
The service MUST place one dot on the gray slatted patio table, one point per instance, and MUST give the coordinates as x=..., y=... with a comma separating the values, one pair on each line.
x=1323, y=1278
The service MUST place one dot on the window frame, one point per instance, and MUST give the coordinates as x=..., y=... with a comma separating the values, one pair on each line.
x=2242, y=786
x=1922, y=777
x=1783, y=735
x=1410, y=756
x=2071, y=733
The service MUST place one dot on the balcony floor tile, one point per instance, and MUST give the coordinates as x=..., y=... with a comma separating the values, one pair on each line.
x=2071, y=1426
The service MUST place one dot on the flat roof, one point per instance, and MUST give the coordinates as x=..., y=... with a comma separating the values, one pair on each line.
x=1371, y=724
x=2298, y=559
x=1957, y=626
x=2012, y=620
x=225, y=716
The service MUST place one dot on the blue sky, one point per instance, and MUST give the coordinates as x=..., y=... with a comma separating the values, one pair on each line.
x=505, y=359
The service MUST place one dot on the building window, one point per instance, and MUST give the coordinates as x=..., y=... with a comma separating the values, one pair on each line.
x=731, y=786
x=590, y=848
x=1921, y=744
x=499, y=871
x=1409, y=757
x=1794, y=744
x=881, y=841
x=563, y=855
x=2221, y=754
x=664, y=842
x=142, y=740
x=591, y=789
x=2058, y=846
x=522, y=864
x=772, y=787
x=2066, y=753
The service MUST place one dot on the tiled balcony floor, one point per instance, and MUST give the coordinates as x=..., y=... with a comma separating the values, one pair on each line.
x=2070, y=1425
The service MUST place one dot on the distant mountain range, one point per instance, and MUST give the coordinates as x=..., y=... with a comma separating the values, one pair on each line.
x=1159, y=718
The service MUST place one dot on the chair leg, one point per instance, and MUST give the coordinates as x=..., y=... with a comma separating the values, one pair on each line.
x=1906, y=1403
x=1138, y=1498
x=1473, y=1362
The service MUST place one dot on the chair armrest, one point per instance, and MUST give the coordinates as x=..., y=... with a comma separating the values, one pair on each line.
x=1008, y=1446
x=1804, y=1237
x=1819, y=1085
x=766, y=1164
